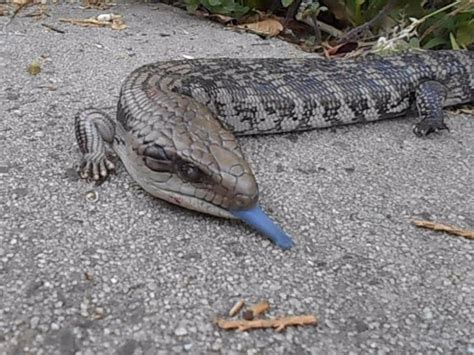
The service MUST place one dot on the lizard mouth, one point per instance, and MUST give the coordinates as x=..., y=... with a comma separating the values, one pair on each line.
x=253, y=216
x=192, y=203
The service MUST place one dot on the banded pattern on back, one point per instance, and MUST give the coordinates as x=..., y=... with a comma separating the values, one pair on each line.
x=257, y=96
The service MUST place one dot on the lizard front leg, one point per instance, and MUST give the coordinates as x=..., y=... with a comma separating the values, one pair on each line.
x=430, y=96
x=93, y=128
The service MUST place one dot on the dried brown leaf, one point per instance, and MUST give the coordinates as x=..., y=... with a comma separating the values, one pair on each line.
x=259, y=308
x=118, y=23
x=98, y=4
x=34, y=68
x=265, y=28
x=21, y=2
x=339, y=49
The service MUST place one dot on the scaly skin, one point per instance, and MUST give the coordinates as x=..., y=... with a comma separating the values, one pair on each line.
x=176, y=120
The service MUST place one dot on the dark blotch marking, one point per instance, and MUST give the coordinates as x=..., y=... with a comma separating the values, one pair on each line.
x=358, y=107
x=156, y=158
x=330, y=112
x=156, y=152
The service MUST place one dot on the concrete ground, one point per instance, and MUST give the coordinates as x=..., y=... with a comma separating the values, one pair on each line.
x=129, y=274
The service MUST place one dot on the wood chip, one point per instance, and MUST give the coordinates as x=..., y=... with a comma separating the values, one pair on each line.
x=259, y=308
x=236, y=308
x=278, y=324
x=469, y=234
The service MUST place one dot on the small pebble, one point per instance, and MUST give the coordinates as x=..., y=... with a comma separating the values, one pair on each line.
x=247, y=315
x=180, y=331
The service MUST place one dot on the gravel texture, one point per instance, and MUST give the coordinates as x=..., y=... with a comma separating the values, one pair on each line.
x=108, y=269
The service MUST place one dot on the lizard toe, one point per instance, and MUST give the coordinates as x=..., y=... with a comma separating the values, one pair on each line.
x=428, y=126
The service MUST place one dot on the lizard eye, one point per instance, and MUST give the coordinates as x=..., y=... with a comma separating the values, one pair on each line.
x=189, y=172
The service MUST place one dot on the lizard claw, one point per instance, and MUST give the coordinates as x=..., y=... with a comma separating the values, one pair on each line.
x=95, y=167
x=427, y=126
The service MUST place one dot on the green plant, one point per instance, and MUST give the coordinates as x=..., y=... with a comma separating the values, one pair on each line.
x=224, y=7
x=430, y=24
x=450, y=26
x=443, y=24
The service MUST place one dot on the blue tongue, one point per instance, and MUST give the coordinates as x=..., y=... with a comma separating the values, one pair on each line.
x=257, y=219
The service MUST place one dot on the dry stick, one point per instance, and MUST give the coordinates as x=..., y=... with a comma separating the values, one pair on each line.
x=236, y=308
x=333, y=31
x=356, y=32
x=86, y=22
x=445, y=228
x=317, y=30
x=322, y=26
x=278, y=323
x=290, y=13
x=53, y=28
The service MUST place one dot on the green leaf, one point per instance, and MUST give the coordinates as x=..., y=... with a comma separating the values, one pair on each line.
x=464, y=34
x=414, y=42
x=286, y=3
x=191, y=5
x=435, y=42
x=215, y=2
x=454, y=44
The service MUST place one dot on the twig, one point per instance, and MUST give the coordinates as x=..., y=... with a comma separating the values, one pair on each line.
x=278, y=323
x=53, y=28
x=236, y=308
x=291, y=10
x=356, y=32
x=333, y=31
x=317, y=30
x=90, y=22
x=445, y=228
x=16, y=12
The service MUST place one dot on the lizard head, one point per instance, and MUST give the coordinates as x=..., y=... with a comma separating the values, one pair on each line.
x=197, y=164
